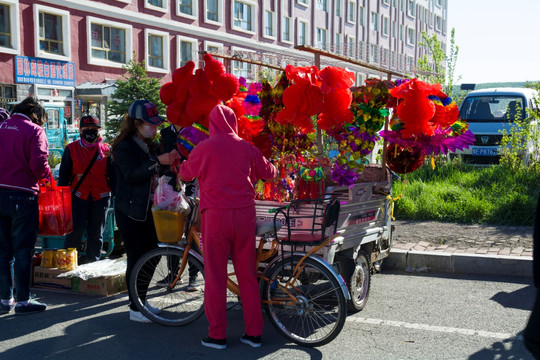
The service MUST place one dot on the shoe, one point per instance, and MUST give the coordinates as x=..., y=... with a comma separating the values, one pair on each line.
x=166, y=281
x=220, y=344
x=253, y=341
x=137, y=316
x=6, y=308
x=193, y=285
x=31, y=306
x=153, y=310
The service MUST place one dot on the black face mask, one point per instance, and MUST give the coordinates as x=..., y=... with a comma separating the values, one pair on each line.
x=90, y=135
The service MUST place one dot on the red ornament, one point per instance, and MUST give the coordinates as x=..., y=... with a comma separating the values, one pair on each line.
x=403, y=160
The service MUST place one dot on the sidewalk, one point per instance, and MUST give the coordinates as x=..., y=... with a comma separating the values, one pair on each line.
x=456, y=248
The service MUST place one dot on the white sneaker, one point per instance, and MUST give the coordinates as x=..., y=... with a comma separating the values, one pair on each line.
x=153, y=310
x=137, y=316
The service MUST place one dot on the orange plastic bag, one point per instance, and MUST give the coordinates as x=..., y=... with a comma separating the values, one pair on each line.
x=55, y=210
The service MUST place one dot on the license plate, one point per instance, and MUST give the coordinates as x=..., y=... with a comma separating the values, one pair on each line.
x=484, y=151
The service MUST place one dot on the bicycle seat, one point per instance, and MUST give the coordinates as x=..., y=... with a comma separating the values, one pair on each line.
x=266, y=227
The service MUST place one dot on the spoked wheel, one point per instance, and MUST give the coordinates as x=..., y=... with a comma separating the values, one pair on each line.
x=311, y=310
x=163, y=298
x=359, y=283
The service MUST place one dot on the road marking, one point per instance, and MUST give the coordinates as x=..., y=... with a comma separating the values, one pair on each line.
x=445, y=329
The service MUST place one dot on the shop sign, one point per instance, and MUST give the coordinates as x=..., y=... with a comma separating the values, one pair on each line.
x=30, y=70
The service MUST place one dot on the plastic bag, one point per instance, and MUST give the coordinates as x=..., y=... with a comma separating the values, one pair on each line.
x=165, y=198
x=55, y=210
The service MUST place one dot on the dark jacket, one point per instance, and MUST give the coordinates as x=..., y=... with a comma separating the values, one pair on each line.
x=168, y=140
x=135, y=169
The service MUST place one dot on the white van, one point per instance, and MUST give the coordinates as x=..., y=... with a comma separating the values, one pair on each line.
x=488, y=112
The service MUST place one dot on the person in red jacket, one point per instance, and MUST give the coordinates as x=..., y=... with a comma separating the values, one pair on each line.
x=226, y=167
x=86, y=167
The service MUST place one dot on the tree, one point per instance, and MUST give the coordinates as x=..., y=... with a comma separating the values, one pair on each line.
x=135, y=84
x=439, y=67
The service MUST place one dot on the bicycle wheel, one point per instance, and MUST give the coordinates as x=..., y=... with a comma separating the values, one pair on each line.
x=152, y=281
x=319, y=313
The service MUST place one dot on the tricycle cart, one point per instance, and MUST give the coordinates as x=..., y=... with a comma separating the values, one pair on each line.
x=364, y=225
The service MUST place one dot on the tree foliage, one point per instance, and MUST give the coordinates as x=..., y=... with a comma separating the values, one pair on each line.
x=437, y=67
x=135, y=84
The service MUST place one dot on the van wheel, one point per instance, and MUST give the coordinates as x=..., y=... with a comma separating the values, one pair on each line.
x=359, y=283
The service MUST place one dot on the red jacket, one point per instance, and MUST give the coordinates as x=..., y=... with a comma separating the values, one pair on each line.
x=226, y=165
x=95, y=182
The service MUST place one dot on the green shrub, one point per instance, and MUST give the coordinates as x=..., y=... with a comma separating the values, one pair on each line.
x=467, y=194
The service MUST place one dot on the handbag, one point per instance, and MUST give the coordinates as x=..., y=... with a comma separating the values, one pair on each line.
x=54, y=203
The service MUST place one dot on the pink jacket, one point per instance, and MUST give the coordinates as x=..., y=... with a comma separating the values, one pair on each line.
x=24, y=149
x=225, y=165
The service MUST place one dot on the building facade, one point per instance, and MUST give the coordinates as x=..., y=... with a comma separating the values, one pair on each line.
x=72, y=51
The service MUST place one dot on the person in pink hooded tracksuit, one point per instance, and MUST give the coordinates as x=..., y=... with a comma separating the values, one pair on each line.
x=226, y=167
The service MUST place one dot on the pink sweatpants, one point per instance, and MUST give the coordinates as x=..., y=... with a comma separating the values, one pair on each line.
x=224, y=232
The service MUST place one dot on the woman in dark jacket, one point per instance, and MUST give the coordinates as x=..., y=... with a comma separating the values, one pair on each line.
x=137, y=159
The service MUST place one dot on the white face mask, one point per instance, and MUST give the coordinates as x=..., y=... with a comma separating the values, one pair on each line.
x=148, y=131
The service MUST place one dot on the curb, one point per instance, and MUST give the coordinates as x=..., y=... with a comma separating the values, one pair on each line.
x=462, y=263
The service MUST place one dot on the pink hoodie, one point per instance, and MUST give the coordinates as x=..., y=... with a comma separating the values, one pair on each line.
x=226, y=165
x=24, y=154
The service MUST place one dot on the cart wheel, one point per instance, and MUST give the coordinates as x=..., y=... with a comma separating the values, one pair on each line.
x=359, y=283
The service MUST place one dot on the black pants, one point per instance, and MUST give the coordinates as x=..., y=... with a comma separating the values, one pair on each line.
x=139, y=238
x=531, y=334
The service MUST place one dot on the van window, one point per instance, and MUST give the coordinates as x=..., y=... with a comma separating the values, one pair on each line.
x=53, y=119
x=492, y=108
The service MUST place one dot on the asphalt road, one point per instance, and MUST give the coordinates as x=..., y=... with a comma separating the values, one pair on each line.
x=408, y=316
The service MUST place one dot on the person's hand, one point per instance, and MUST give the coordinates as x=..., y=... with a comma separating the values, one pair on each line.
x=169, y=158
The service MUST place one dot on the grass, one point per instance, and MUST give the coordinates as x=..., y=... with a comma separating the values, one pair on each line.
x=469, y=195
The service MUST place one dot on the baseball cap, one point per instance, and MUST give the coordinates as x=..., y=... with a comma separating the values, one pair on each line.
x=146, y=111
x=89, y=120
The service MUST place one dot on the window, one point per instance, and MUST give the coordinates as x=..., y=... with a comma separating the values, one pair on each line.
x=385, y=25
x=8, y=93
x=269, y=23
x=213, y=11
x=243, y=16
x=213, y=47
x=361, y=16
x=394, y=29
x=339, y=8
x=302, y=33
x=410, y=8
x=401, y=32
x=109, y=43
x=351, y=47
x=187, y=8
x=286, y=30
x=410, y=36
x=373, y=53
x=351, y=11
x=321, y=39
x=188, y=50
x=338, y=44
x=374, y=23
x=321, y=4
x=386, y=2
x=359, y=79
x=240, y=68
x=157, y=5
x=157, y=51
x=9, y=27
x=438, y=23
x=303, y=2
x=52, y=33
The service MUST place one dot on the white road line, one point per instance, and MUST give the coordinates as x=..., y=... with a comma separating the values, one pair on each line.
x=445, y=329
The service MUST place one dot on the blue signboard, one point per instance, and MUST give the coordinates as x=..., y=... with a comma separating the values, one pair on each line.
x=29, y=70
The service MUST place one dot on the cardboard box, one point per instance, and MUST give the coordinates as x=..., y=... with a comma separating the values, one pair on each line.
x=47, y=278
x=105, y=286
